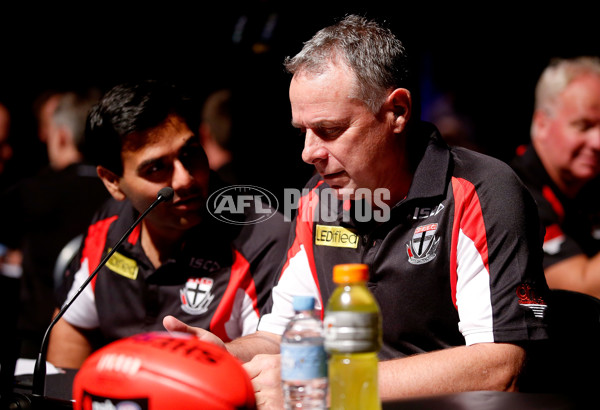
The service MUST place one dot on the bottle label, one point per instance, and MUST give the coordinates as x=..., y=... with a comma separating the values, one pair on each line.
x=301, y=362
x=352, y=332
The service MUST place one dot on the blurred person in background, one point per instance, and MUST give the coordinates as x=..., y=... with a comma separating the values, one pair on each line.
x=10, y=268
x=40, y=214
x=44, y=106
x=560, y=166
x=6, y=151
x=216, y=135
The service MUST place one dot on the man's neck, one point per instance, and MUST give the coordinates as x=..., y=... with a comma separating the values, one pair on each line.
x=159, y=246
x=568, y=185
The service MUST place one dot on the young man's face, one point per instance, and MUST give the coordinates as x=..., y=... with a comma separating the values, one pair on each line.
x=172, y=157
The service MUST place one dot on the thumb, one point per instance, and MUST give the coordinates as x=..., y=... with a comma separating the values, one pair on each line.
x=175, y=325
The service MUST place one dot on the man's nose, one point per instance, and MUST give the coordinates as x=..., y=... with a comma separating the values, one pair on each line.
x=182, y=177
x=594, y=137
x=314, y=150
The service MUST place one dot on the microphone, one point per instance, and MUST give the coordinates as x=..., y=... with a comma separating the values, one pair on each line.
x=39, y=372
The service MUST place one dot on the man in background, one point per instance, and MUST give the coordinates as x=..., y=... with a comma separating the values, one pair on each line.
x=6, y=151
x=39, y=215
x=560, y=167
x=216, y=135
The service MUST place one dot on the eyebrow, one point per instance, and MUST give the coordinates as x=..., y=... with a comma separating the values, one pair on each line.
x=320, y=124
x=150, y=161
x=145, y=164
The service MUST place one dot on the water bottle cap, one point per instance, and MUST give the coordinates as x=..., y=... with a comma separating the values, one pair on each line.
x=350, y=272
x=303, y=302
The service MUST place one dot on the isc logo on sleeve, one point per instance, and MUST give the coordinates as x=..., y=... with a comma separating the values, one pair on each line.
x=335, y=236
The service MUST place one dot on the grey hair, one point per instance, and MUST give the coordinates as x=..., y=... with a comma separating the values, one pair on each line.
x=72, y=110
x=377, y=58
x=557, y=76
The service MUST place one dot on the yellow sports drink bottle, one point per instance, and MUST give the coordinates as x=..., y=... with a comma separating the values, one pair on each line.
x=352, y=338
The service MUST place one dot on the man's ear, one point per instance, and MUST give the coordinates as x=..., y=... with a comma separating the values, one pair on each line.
x=64, y=136
x=539, y=124
x=111, y=182
x=399, y=102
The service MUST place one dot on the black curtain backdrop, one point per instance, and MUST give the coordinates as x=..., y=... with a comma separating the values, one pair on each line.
x=486, y=60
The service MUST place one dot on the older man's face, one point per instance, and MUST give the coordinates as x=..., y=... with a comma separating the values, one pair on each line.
x=350, y=146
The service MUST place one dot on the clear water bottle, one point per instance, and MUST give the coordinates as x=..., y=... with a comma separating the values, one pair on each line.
x=303, y=358
x=352, y=339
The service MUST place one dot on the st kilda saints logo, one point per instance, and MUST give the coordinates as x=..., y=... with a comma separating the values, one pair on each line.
x=195, y=295
x=421, y=248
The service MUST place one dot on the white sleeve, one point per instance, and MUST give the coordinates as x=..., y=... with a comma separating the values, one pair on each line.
x=473, y=299
x=82, y=313
x=296, y=279
x=244, y=317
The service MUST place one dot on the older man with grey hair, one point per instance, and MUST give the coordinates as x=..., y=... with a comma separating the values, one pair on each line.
x=561, y=165
x=454, y=266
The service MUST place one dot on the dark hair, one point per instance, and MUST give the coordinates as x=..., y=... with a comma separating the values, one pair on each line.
x=119, y=121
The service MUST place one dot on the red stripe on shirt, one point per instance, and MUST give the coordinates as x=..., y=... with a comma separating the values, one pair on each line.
x=95, y=243
x=552, y=232
x=548, y=193
x=134, y=235
x=307, y=207
x=468, y=217
x=521, y=149
x=240, y=279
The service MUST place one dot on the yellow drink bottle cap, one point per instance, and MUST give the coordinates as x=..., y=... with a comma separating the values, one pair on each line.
x=350, y=272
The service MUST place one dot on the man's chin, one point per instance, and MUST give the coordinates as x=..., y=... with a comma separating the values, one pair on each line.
x=344, y=192
x=188, y=222
x=587, y=173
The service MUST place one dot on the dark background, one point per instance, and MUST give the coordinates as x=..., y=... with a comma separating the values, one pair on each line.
x=486, y=59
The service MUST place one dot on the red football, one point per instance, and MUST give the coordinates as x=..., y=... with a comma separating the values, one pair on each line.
x=160, y=370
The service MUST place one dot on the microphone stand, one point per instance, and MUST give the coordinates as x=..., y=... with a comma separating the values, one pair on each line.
x=39, y=372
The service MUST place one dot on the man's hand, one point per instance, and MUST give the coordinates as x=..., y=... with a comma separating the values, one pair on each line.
x=175, y=325
x=265, y=372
